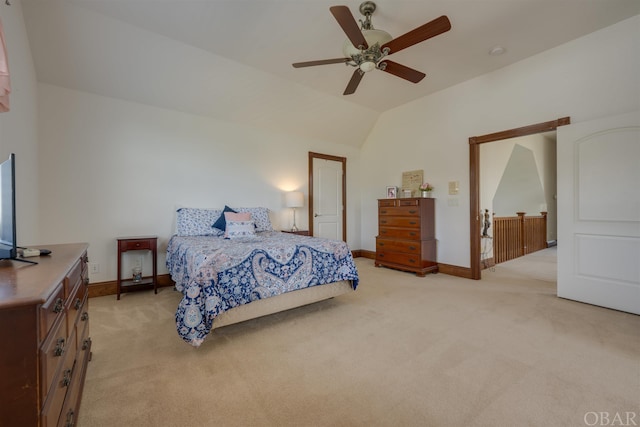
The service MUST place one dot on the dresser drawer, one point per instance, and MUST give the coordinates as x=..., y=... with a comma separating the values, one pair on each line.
x=409, y=260
x=53, y=353
x=399, y=211
x=400, y=233
x=73, y=277
x=63, y=379
x=76, y=304
x=407, y=247
x=399, y=221
x=51, y=310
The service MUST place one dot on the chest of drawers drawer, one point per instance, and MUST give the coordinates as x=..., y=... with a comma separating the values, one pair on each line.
x=399, y=221
x=403, y=246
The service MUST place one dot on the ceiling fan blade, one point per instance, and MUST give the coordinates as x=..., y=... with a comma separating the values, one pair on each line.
x=354, y=82
x=320, y=62
x=430, y=29
x=349, y=25
x=404, y=72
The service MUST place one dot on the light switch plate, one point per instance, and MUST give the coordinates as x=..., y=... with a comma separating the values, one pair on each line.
x=454, y=187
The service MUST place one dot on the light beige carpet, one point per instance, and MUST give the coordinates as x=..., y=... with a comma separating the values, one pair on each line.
x=400, y=351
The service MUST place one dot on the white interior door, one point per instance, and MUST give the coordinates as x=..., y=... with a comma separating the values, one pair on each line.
x=599, y=212
x=327, y=198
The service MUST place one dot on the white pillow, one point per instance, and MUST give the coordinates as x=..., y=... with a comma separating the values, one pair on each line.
x=240, y=229
x=260, y=216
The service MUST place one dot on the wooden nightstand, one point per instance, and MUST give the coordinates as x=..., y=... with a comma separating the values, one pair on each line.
x=138, y=243
x=299, y=232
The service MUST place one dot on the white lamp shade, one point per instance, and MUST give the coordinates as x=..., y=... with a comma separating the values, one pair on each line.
x=294, y=199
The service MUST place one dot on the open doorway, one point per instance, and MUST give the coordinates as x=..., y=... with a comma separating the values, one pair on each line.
x=474, y=181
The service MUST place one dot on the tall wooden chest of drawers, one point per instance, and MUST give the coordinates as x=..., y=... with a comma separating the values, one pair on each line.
x=406, y=235
x=44, y=331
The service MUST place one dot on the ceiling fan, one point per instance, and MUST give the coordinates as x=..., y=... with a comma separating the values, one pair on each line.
x=367, y=48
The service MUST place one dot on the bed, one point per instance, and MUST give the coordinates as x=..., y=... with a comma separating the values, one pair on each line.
x=250, y=270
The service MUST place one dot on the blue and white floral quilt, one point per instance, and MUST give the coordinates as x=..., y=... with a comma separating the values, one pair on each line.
x=216, y=274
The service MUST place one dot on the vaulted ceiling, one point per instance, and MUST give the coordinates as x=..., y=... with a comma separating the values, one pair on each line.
x=231, y=59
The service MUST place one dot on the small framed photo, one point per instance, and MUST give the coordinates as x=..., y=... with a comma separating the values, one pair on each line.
x=392, y=192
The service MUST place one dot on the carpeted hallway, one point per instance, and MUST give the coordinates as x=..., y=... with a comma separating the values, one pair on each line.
x=400, y=351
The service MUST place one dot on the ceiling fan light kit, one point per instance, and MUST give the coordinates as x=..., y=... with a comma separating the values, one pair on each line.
x=366, y=47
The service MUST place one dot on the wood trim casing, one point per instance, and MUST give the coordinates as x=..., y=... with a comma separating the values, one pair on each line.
x=474, y=179
x=342, y=160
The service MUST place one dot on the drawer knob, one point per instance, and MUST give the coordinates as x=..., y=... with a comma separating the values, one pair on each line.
x=381, y=255
x=412, y=261
x=412, y=248
x=412, y=222
x=78, y=304
x=412, y=234
x=70, y=422
x=59, y=305
x=85, y=316
x=381, y=244
x=66, y=378
x=412, y=211
x=59, y=349
x=86, y=343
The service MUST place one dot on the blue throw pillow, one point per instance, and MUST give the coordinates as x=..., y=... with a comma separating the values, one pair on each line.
x=221, y=223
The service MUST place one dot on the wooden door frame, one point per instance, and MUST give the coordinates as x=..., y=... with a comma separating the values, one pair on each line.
x=474, y=179
x=342, y=160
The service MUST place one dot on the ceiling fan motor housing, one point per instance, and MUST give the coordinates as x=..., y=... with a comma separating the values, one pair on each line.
x=367, y=59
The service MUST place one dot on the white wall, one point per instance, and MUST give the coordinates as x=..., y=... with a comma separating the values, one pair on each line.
x=111, y=168
x=493, y=161
x=18, y=127
x=593, y=76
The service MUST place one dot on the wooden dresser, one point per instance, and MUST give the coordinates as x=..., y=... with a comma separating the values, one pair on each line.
x=44, y=331
x=406, y=235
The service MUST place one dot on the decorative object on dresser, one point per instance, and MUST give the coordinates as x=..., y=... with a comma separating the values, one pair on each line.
x=45, y=338
x=392, y=192
x=406, y=235
x=137, y=282
x=294, y=199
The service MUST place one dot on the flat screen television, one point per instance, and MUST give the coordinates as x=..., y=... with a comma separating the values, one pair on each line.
x=8, y=247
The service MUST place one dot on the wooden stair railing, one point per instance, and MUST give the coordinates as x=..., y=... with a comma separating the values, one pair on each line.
x=515, y=236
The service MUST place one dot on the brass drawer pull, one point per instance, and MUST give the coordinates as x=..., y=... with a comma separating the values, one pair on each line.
x=381, y=244
x=412, y=222
x=384, y=212
x=70, y=422
x=78, y=304
x=86, y=343
x=412, y=234
x=412, y=248
x=66, y=378
x=413, y=211
x=85, y=316
x=412, y=261
x=381, y=255
x=59, y=306
x=59, y=349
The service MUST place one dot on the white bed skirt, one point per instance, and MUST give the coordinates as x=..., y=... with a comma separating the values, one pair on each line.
x=282, y=302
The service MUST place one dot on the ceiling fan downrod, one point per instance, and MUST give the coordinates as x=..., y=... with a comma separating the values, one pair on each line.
x=367, y=59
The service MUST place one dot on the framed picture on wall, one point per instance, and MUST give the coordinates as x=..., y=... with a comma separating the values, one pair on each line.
x=392, y=192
